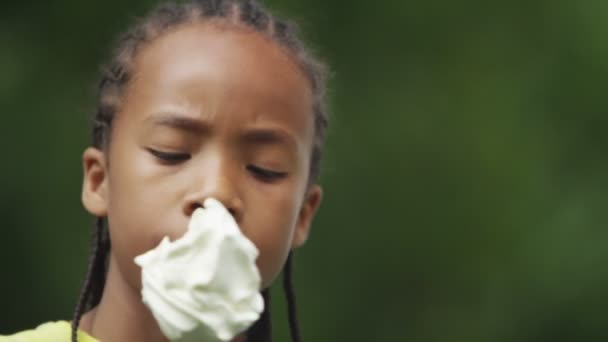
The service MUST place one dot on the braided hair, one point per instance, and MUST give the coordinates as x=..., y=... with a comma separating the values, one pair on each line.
x=114, y=80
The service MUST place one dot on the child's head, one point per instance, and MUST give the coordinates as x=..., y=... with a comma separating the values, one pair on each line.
x=205, y=99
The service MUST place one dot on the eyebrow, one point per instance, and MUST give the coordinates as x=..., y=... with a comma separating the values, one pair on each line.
x=269, y=136
x=179, y=122
x=259, y=136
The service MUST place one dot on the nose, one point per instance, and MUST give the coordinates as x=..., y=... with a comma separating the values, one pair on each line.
x=215, y=180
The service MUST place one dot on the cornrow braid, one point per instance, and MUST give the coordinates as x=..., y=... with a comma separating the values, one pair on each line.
x=118, y=72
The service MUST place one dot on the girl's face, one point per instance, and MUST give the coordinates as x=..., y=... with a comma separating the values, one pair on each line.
x=211, y=111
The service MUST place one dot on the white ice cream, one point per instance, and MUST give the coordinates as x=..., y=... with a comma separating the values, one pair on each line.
x=205, y=285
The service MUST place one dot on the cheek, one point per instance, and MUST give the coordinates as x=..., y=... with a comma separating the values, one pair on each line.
x=272, y=234
x=137, y=213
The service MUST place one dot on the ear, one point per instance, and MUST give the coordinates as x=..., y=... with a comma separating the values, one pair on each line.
x=95, y=182
x=306, y=215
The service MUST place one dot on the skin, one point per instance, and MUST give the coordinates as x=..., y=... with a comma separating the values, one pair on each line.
x=235, y=113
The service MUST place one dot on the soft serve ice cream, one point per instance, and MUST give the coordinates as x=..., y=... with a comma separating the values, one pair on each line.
x=205, y=285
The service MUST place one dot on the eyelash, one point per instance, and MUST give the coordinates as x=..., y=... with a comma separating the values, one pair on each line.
x=260, y=173
x=169, y=157
x=265, y=174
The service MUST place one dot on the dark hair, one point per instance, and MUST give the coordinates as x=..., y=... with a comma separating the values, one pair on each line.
x=115, y=77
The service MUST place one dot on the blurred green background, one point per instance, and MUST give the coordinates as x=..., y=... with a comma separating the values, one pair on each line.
x=465, y=172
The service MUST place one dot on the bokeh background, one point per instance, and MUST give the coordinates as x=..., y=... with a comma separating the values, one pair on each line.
x=465, y=173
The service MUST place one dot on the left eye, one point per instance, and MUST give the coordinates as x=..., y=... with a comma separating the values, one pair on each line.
x=169, y=157
x=265, y=174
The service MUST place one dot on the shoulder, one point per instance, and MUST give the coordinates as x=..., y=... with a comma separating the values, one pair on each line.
x=59, y=331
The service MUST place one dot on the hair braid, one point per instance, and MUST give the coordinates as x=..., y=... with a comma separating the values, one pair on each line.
x=261, y=331
x=91, y=290
x=98, y=277
x=294, y=328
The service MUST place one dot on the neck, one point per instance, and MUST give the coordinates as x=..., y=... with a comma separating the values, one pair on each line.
x=121, y=316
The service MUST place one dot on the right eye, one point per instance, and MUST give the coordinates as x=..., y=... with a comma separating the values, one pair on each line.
x=169, y=157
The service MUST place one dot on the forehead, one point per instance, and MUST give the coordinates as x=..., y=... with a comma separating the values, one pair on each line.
x=220, y=69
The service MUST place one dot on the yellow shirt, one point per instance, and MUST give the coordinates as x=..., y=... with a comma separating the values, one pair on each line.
x=60, y=331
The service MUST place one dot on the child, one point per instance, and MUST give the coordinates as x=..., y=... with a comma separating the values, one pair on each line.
x=205, y=99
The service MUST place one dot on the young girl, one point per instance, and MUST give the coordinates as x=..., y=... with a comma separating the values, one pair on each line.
x=205, y=99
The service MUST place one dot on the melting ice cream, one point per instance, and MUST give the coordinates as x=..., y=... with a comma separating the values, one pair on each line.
x=205, y=285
